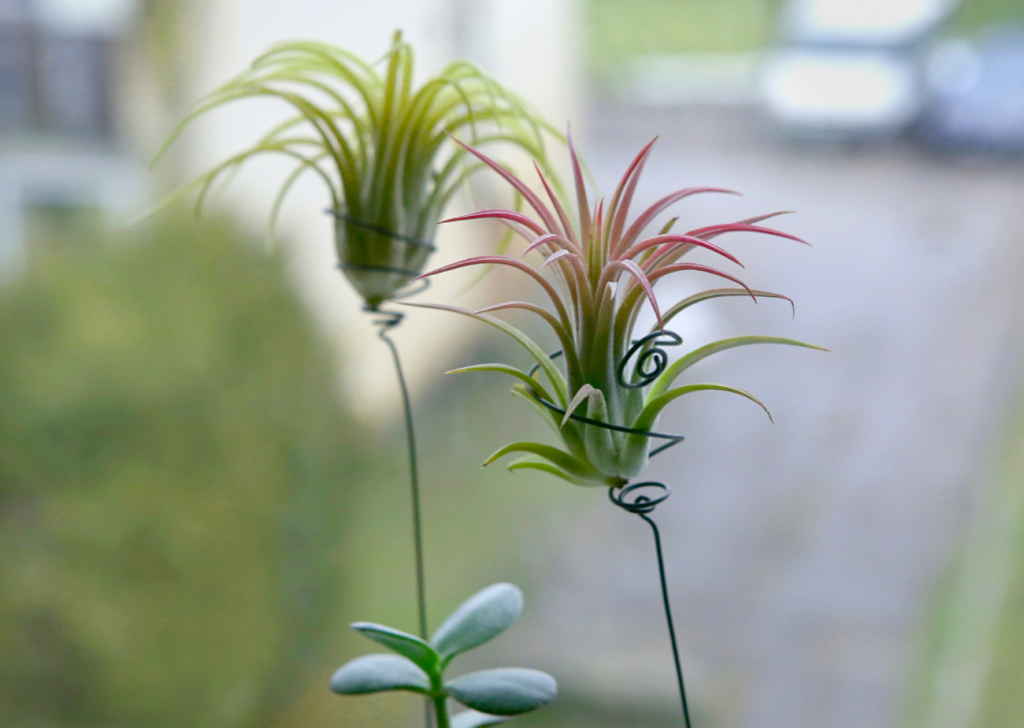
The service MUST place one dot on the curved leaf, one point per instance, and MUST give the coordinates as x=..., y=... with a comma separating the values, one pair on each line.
x=538, y=354
x=532, y=383
x=563, y=460
x=649, y=414
x=662, y=384
x=480, y=618
x=505, y=691
x=719, y=293
x=536, y=463
x=379, y=673
x=417, y=650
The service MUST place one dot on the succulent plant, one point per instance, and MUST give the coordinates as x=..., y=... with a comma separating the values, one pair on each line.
x=381, y=147
x=492, y=696
x=604, y=270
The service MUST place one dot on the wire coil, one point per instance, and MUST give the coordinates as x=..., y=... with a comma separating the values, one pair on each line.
x=651, y=362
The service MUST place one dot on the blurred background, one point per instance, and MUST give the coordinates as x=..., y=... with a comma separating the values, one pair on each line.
x=202, y=474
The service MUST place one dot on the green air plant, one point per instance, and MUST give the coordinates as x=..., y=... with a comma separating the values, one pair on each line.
x=604, y=271
x=382, y=148
x=419, y=666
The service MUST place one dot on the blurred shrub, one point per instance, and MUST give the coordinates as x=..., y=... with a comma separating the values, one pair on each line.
x=172, y=464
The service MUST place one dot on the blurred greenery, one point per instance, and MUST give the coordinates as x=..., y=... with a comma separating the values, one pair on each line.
x=971, y=670
x=172, y=475
x=1003, y=697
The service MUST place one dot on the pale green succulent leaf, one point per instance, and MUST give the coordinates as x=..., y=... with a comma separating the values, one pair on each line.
x=479, y=619
x=505, y=691
x=407, y=645
x=379, y=673
x=476, y=719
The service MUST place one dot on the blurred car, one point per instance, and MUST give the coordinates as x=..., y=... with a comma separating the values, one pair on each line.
x=976, y=96
x=851, y=68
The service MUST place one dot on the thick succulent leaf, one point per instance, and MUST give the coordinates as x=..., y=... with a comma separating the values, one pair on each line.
x=532, y=383
x=505, y=691
x=417, y=650
x=379, y=673
x=664, y=382
x=561, y=459
x=476, y=719
x=480, y=618
x=538, y=354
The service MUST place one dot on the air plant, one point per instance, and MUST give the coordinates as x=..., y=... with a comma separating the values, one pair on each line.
x=493, y=696
x=382, y=148
x=604, y=270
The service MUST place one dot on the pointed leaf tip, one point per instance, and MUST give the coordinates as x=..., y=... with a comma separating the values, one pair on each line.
x=407, y=645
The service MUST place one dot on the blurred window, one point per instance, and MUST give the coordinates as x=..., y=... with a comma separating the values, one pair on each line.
x=52, y=81
x=15, y=77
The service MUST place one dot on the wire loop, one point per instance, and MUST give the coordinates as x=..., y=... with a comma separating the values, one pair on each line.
x=639, y=503
x=651, y=362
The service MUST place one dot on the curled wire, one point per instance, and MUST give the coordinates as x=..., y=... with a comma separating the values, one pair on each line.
x=629, y=498
x=651, y=362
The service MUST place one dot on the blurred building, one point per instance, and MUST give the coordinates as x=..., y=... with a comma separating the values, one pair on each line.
x=58, y=125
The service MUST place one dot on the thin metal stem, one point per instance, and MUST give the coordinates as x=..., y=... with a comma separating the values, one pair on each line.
x=668, y=618
x=386, y=324
x=632, y=499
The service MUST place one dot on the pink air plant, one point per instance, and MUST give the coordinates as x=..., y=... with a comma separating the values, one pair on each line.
x=603, y=271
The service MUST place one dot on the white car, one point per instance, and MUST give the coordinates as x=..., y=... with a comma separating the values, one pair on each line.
x=850, y=68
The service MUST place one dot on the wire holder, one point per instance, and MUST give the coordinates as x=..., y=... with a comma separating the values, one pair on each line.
x=642, y=498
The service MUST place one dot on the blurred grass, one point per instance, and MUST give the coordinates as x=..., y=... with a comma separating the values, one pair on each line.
x=171, y=486
x=1003, y=697
x=971, y=670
